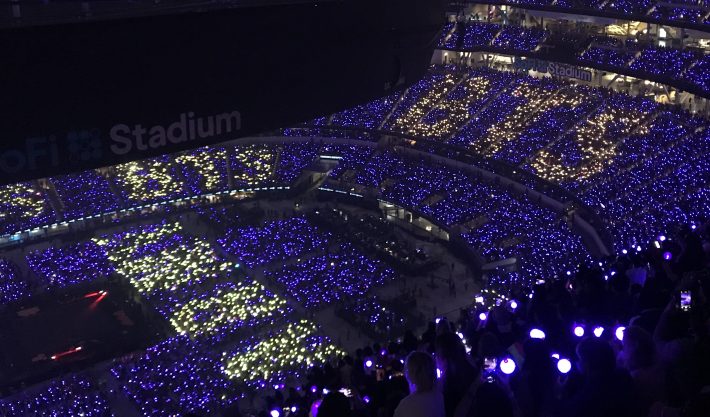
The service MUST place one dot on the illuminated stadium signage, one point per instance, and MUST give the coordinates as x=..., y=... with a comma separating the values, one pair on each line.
x=552, y=68
x=125, y=138
x=91, y=144
x=129, y=89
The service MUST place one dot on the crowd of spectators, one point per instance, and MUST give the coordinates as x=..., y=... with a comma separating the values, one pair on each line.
x=680, y=11
x=493, y=221
x=189, y=284
x=60, y=267
x=473, y=35
x=624, y=336
x=377, y=318
x=664, y=63
x=204, y=170
x=227, y=307
x=519, y=38
x=23, y=206
x=84, y=194
x=279, y=356
x=175, y=377
x=519, y=123
x=698, y=73
x=70, y=396
x=147, y=181
x=376, y=236
x=642, y=165
x=627, y=336
x=277, y=240
x=13, y=286
x=608, y=51
x=344, y=272
x=581, y=138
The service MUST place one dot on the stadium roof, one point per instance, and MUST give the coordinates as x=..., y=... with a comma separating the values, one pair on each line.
x=42, y=12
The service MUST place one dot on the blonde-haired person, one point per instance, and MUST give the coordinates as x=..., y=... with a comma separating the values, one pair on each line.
x=424, y=399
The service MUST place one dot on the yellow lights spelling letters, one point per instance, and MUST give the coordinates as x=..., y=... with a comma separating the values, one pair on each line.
x=239, y=304
x=146, y=180
x=285, y=350
x=204, y=162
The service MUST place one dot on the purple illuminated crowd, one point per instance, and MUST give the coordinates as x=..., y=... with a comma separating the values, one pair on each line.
x=653, y=163
x=564, y=333
x=680, y=11
x=617, y=338
x=627, y=336
x=637, y=56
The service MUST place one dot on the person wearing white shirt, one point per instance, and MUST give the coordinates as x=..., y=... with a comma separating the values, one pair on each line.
x=424, y=399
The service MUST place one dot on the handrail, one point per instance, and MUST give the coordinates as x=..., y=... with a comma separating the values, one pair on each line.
x=565, y=55
x=520, y=4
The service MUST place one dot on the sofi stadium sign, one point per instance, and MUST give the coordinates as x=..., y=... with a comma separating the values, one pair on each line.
x=125, y=138
x=552, y=68
x=81, y=147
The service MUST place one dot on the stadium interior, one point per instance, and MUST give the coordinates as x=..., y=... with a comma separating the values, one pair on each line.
x=523, y=230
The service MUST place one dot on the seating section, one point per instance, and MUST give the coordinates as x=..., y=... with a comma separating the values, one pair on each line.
x=275, y=241
x=176, y=377
x=69, y=396
x=59, y=267
x=204, y=170
x=342, y=273
x=23, y=206
x=684, y=68
x=85, y=194
x=676, y=11
x=583, y=139
x=242, y=302
x=273, y=357
x=13, y=286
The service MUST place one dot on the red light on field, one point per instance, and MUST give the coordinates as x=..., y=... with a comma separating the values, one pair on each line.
x=101, y=293
x=65, y=353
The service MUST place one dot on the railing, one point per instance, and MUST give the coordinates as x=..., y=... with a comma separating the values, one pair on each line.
x=608, y=13
x=564, y=53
